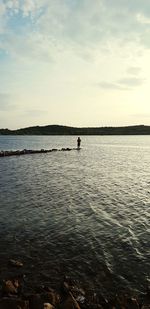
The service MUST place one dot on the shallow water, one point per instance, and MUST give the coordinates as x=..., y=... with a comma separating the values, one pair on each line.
x=81, y=213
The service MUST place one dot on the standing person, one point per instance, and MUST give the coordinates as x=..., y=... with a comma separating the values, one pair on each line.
x=78, y=142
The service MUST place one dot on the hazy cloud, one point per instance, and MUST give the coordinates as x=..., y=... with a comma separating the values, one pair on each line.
x=122, y=84
x=34, y=47
x=111, y=86
x=143, y=19
x=25, y=7
x=134, y=70
x=75, y=23
x=131, y=82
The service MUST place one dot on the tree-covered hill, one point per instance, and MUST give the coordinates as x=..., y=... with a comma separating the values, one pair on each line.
x=65, y=130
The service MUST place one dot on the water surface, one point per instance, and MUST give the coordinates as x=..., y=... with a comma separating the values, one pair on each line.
x=81, y=213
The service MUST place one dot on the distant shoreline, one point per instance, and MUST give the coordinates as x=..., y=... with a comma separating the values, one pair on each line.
x=66, y=130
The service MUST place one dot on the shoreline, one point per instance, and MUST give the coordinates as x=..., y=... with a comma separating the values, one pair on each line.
x=69, y=294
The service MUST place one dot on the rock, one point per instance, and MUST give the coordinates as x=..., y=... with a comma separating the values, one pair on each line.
x=95, y=300
x=51, y=297
x=145, y=307
x=132, y=303
x=15, y=263
x=10, y=287
x=65, y=149
x=70, y=303
x=48, y=306
x=125, y=302
x=148, y=292
x=71, y=287
x=65, y=287
x=35, y=302
x=30, y=151
x=10, y=303
x=80, y=299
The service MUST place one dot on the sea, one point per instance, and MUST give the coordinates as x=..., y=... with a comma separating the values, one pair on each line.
x=83, y=214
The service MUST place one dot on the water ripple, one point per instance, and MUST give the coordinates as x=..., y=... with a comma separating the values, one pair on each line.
x=82, y=213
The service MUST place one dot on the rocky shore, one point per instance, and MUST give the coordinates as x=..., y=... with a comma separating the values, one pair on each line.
x=8, y=153
x=69, y=295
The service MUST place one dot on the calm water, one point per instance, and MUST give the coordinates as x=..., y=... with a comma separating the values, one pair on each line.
x=81, y=213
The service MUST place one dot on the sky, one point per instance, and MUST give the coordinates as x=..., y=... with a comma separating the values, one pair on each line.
x=74, y=62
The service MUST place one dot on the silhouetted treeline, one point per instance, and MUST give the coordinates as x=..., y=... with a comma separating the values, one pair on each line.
x=65, y=130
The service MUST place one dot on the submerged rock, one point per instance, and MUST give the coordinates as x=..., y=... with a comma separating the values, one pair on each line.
x=70, y=303
x=125, y=302
x=51, y=297
x=13, y=303
x=45, y=300
x=35, y=302
x=15, y=263
x=77, y=292
x=10, y=287
x=48, y=306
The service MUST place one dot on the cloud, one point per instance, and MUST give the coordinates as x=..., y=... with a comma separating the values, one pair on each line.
x=143, y=19
x=28, y=7
x=111, y=86
x=92, y=21
x=121, y=84
x=134, y=70
x=131, y=82
x=35, y=47
x=25, y=7
x=73, y=24
x=2, y=18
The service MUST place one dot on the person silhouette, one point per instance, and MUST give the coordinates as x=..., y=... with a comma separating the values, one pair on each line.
x=78, y=142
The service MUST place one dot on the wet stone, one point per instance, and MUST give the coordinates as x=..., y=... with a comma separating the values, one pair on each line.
x=48, y=306
x=35, y=302
x=51, y=297
x=15, y=263
x=44, y=300
x=70, y=303
x=77, y=292
x=10, y=303
x=132, y=303
x=10, y=287
x=125, y=302
x=95, y=300
x=148, y=293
